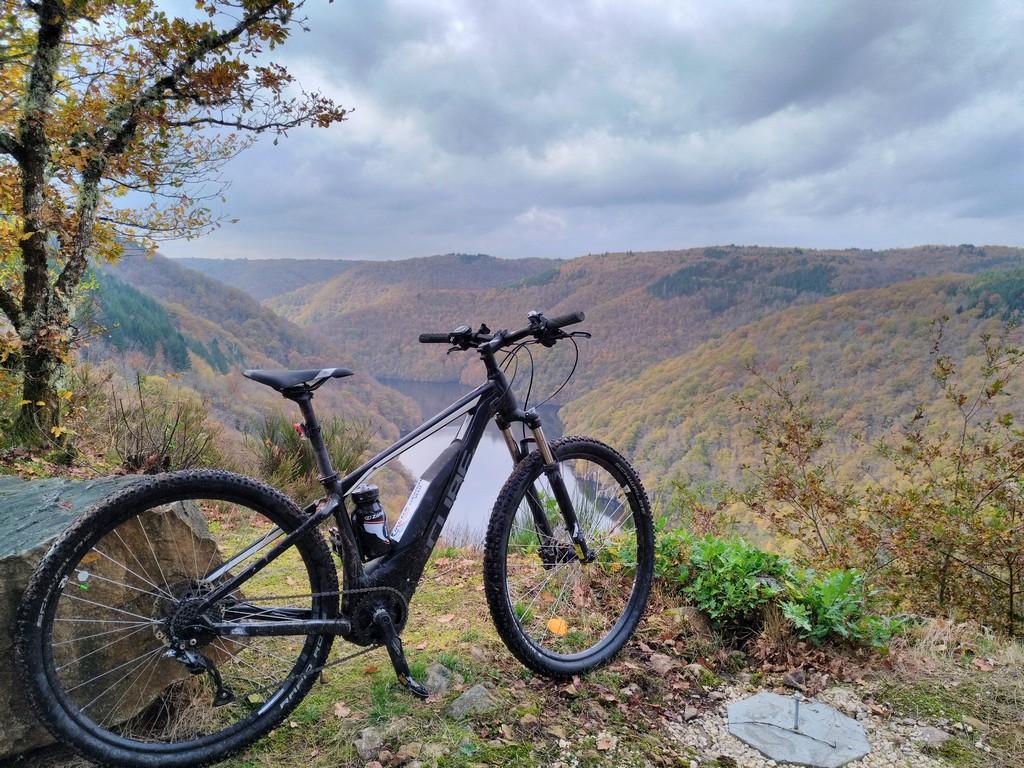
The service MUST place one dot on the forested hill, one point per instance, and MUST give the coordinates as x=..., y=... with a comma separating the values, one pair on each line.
x=193, y=296
x=265, y=278
x=864, y=360
x=161, y=317
x=641, y=307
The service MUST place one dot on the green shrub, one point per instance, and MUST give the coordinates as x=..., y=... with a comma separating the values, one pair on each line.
x=733, y=582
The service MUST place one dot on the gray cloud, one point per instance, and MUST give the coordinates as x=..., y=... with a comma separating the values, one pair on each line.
x=538, y=128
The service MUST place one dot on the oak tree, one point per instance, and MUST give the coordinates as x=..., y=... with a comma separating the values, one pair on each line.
x=116, y=119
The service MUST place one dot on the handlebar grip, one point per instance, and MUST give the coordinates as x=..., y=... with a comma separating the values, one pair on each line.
x=571, y=319
x=434, y=338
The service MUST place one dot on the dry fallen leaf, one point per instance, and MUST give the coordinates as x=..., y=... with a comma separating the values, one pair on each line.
x=605, y=741
x=421, y=646
x=371, y=669
x=340, y=710
x=661, y=663
x=557, y=626
x=446, y=618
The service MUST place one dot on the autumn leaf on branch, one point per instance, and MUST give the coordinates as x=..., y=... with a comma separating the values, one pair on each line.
x=116, y=121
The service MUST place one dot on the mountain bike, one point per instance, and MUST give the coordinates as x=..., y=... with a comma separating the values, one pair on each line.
x=141, y=645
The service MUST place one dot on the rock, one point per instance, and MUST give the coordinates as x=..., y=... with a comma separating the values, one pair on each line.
x=974, y=723
x=32, y=514
x=408, y=752
x=368, y=742
x=690, y=713
x=476, y=701
x=373, y=764
x=845, y=700
x=716, y=696
x=795, y=678
x=933, y=737
x=439, y=679
x=688, y=620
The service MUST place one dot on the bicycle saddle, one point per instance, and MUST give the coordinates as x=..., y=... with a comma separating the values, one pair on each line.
x=310, y=378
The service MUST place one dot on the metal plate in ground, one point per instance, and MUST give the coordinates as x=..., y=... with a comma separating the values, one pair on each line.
x=822, y=736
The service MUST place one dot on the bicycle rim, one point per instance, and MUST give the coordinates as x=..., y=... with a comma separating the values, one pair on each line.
x=109, y=622
x=565, y=608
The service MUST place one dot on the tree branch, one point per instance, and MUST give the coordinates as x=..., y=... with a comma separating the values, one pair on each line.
x=9, y=145
x=11, y=307
x=121, y=125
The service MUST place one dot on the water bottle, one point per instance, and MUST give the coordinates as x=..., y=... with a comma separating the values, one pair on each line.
x=370, y=522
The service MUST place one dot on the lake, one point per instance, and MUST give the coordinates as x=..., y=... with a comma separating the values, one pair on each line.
x=491, y=465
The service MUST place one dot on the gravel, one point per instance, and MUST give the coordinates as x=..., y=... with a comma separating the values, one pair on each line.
x=894, y=742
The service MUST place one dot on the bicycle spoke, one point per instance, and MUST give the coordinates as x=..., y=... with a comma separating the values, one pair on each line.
x=566, y=606
x=119, y=609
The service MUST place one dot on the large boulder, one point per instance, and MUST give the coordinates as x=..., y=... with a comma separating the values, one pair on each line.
x=32, y=514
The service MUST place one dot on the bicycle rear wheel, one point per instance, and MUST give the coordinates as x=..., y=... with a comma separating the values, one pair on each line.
x=126, y=582
x=558, y=615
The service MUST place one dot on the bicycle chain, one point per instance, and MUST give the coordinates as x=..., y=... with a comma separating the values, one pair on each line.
x=336, y=662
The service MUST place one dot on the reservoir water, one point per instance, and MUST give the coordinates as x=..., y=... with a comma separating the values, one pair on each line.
x=491, y=465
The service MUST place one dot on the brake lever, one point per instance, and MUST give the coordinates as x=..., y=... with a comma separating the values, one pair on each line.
x=579, y=335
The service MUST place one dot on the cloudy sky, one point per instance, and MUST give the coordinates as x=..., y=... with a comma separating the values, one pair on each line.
x=562, y=128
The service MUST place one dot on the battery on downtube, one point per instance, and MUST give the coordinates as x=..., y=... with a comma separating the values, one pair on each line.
x=427, y=494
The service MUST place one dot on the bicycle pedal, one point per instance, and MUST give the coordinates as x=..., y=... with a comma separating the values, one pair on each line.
x=417, y=689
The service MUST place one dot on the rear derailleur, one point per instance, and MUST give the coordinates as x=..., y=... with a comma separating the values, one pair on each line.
x=198, y=663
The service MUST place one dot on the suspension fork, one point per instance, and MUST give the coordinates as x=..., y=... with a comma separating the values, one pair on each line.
x=565, y=505
x=554, y=475
x=540, y=518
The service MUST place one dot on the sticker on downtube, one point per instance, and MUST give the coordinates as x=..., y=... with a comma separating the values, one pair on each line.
x=410, y=507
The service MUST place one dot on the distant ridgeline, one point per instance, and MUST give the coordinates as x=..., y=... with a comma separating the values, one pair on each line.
x=641, y=307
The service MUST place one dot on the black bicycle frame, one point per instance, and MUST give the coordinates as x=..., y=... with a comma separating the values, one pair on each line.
x=401, y=568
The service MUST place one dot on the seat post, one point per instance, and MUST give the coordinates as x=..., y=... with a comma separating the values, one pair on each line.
x=316, y=439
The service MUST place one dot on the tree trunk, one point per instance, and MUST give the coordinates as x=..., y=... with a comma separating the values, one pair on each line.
x=42, y=367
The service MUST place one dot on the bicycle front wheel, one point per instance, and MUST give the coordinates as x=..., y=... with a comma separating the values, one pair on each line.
x=116, y=650
x=558, y=615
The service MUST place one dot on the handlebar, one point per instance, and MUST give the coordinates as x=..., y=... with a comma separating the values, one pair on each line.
x=435, y=338
x=546, y=330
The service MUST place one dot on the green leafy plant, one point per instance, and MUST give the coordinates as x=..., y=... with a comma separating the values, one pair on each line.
x=731, y=580
x=734, y=583
x=828, y=605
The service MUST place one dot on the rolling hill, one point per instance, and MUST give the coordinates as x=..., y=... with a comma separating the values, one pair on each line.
x=150, y=307
x=864, y=359
x=641, y=307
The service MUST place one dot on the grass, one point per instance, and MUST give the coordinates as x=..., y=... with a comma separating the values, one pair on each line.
x=541, y=723
x=962, y=674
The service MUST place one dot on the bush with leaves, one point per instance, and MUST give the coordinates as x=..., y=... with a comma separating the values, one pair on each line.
x=957, y=516
x=795, y=488
x=735, y=583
